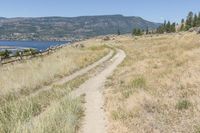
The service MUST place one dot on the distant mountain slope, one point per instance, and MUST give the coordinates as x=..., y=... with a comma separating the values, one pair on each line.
x=45, y=28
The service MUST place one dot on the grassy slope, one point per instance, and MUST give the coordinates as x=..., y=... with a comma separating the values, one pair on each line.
x=48, y=110
x=31, y=75
x=156, y=89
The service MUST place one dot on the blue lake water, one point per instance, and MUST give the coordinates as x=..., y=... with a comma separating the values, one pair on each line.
x=39, y=45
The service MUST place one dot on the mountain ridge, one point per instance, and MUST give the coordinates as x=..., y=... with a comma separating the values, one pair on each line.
x=66, y=28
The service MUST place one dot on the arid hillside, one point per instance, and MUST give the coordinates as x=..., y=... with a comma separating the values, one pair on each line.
x=114, y=84
x=156, y=88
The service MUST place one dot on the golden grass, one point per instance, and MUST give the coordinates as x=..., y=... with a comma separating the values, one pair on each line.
x=16, y=114
x=51, y=110
x=62, y=117
x=156, y=88
x=30, y=75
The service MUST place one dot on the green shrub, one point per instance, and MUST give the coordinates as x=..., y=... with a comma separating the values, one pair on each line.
x=139, y=82
x=29, y=51
x=183, y=104
x=5, y=53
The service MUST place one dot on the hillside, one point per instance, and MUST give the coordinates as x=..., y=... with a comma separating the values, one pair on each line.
x=156, y=88
x=127, y=84
x=54, y=28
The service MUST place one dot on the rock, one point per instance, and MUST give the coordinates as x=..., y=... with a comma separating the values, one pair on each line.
x=195, y=29
x=198, y=30
x=191, y=30
x=81, y=46
x=78, y=45
x=106, y=38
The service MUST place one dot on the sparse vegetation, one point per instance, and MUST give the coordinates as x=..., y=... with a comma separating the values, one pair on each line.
x=157, y=86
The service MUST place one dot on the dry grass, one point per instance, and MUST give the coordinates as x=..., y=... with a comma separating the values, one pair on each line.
x=16, y=114
x=62, y=117
x=48, y=111
x=156, y=89
x=31, y=75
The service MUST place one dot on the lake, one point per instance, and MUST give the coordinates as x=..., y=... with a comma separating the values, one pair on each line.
x=39, y=45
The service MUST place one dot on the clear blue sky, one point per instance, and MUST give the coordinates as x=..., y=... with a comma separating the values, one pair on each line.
x=153, y=10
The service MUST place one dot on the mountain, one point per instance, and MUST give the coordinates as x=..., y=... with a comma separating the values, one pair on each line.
x=47, y=28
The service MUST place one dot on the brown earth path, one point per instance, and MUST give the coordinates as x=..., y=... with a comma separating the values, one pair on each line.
x=95, y=119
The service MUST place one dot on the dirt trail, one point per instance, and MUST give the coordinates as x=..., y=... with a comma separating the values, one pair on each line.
x=74, y=75
x=95, y=120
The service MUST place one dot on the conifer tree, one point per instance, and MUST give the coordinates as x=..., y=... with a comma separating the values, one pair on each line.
x=147, y=30
x=182, y=25
x=198, y=21
x=118, y=32
x=134, y=32
x=173, y=27
x=168, y=27
x=165, y=23
x=189, y=21
x=137, y=32
x=195, y=21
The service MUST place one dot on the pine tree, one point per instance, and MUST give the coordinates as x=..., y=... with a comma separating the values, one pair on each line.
x=147, y=30
x=134, y=32
x=195, y=21
x=173, y=27
x=182, y=21
x=165, y=23
x=198, y=21
x=160, y=29
x=182, y=25
x=189, y=21
x=168, y=27
x=118, y=32
x=137, y=32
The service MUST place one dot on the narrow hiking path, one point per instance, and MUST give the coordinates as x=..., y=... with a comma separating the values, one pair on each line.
x=74, y=75
x=95, y=119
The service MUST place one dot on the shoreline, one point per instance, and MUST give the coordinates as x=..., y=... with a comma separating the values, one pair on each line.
x=40, y=46
x=14, y=48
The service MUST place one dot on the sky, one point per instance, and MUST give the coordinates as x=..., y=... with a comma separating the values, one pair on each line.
x=152, y=10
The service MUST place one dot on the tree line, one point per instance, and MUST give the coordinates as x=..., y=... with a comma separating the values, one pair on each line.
x=192, y=20
x=167, y=27
x=137, y=32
